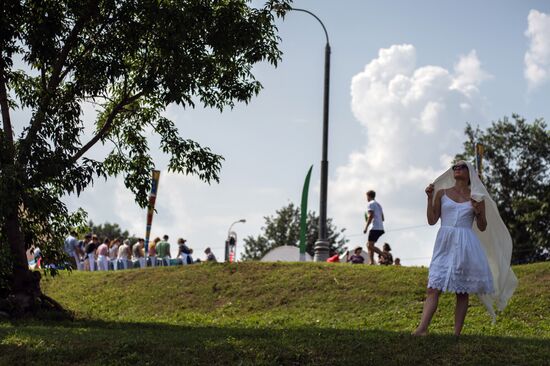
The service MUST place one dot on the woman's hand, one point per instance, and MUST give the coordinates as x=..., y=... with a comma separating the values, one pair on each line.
x=479, y=207
x=430, y=191
x=479, y=212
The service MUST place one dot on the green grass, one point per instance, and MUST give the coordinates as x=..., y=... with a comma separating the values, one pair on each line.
x=262, y=313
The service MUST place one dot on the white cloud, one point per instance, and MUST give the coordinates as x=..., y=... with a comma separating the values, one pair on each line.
x=414, y=119
x=469, y=74
x=537, y=58
x=430, y=116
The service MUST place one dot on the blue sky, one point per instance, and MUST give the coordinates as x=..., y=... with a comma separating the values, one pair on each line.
x=432, y=66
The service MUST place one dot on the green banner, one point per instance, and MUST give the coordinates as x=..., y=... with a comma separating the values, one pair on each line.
x=303, y=217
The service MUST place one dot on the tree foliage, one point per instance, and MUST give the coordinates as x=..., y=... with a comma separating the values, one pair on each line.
x=130, y=60
x=110, y=231
x=516, y=172
x=283, y=228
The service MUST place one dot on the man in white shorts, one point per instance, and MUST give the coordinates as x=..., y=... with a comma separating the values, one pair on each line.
x=374, y=216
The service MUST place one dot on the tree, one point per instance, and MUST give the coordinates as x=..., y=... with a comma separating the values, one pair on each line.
x=284, y=229
x=110, y=231
x=516, y=172
x=130, y=59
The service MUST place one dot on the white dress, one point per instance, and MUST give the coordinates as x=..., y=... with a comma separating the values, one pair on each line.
x=459, y=263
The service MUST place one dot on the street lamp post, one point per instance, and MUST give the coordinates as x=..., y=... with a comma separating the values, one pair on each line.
x=322, y=244
x=228, y=237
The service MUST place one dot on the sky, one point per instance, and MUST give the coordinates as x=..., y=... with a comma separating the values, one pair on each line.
x=405, y=78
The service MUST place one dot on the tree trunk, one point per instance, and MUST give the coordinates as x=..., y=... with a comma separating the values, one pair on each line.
x=25, y=285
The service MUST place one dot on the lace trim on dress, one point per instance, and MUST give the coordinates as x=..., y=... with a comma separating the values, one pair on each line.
x=474, y=286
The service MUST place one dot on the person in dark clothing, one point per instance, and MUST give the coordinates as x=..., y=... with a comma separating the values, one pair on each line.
x=184, y=252
x=89, y=250
x=356, y=258
x=210, y=257
x=386, y=258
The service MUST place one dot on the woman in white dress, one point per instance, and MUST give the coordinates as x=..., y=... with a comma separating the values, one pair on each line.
x=459, y=263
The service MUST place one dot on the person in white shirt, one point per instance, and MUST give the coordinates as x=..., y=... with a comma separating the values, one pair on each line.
x=73, y=250
x=138, y=253
x=375, y=217
x=124, y=253
x=113, y=253
x=103, y=255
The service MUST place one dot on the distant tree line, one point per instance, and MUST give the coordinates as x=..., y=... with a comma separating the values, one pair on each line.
x=108, y=230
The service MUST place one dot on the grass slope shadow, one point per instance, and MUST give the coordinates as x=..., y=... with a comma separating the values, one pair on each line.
x=119, y=343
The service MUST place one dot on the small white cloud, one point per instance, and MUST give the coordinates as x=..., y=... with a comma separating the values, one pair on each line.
x=469, y=74
x=537, y=57
x=465, y=106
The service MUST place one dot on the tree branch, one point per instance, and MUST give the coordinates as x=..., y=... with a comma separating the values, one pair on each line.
x=116, y=145
x=107, y=126
x=53, y=83
x=87, y=48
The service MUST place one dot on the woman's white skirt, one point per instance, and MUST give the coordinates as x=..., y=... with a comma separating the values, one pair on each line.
x=459, y=263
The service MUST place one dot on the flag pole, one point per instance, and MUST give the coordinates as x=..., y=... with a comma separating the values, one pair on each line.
x=151, y=210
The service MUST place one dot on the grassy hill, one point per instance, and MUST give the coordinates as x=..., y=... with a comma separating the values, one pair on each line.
x=262, y=313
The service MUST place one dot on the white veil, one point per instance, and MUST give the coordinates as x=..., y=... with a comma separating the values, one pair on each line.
x=495, y=240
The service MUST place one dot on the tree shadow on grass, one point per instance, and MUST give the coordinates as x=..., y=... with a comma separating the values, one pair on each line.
x=119, y=343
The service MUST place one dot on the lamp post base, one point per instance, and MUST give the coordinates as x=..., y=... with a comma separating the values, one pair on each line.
x=321, y=250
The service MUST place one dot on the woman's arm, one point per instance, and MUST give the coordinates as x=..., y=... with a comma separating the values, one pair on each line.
x=433, y=209
x=479, y=212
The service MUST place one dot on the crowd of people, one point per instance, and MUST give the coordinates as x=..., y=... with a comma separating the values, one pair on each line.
x=91, y=254
x=357, y=257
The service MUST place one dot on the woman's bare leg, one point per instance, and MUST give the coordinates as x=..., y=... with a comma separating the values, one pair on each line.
x=460, y=312
x=430, y=306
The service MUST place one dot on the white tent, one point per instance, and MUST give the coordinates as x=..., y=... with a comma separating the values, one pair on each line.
x=285, y=253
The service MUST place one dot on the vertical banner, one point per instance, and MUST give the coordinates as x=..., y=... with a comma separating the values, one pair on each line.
x=303, y=216
x=151, y=208
x=479, y=160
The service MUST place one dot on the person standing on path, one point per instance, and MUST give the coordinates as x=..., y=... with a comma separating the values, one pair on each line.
x=375, y=217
